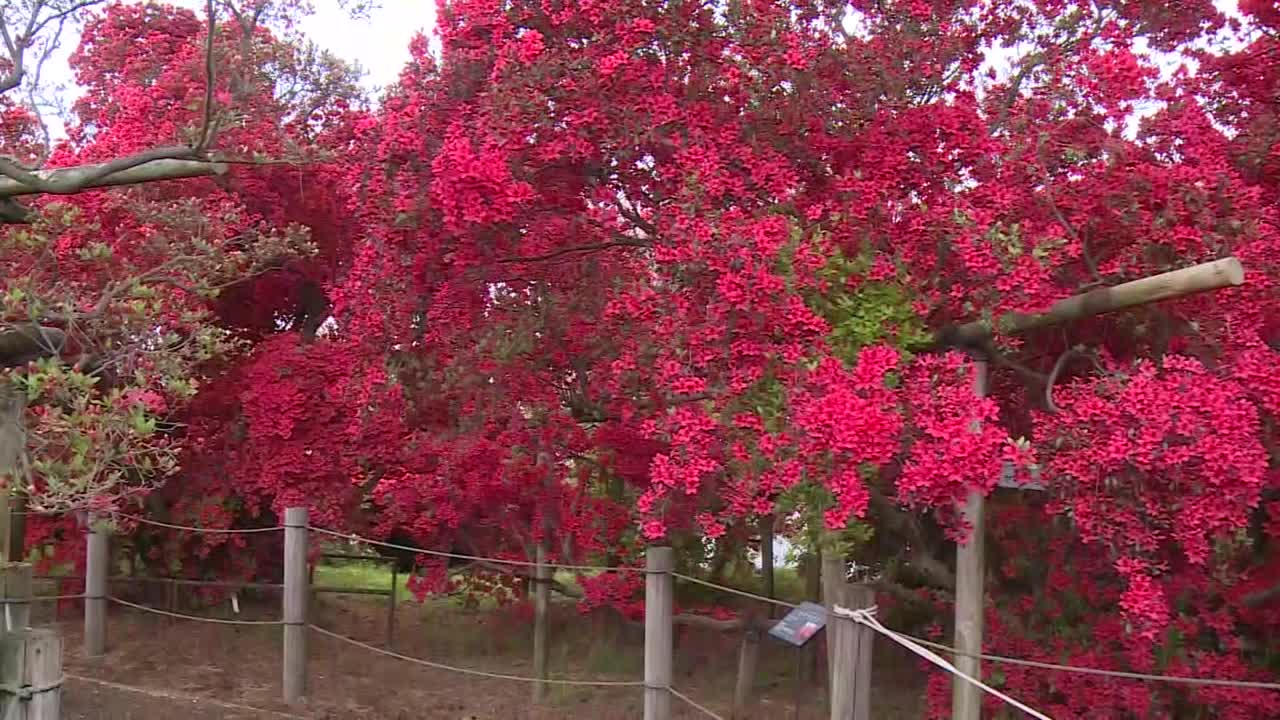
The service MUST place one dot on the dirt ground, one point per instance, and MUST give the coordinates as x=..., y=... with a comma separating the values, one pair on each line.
x=183, y=668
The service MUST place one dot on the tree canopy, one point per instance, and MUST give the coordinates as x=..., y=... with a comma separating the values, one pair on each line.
x=606, y=274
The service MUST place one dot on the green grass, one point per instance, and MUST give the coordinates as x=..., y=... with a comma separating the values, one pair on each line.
x=371, y=574
x=360, y=574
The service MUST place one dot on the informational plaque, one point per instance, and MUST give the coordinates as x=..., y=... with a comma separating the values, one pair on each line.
x=802, y=623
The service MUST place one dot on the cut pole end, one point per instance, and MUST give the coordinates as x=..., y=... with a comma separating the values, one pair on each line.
x=1232, y=269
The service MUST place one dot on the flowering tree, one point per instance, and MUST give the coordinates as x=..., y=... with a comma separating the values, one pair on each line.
x=609, y=274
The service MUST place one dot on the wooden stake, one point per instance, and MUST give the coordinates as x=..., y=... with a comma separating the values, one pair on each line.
x=966, y=698
x=833, y=578
x=295, y=604
x=15, y=589
x=541, y=598
x=748, y=661
x=766, y=558
x=95, y=589
x=31, y=675
x=813, y=592
x=391, y=606
x=659, y=601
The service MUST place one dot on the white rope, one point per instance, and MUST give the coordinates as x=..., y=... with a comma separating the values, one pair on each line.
x=194, y=529
x=735, y=591
x=469, y=671
x=474, y=558
x=181, y=697
x=695, y=705
x=1124, y=674
x=197, y=618
x=866, y=616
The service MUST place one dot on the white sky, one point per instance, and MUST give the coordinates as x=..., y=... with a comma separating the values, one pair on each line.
x=378, y=44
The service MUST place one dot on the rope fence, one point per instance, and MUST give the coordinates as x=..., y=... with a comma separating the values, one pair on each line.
x=194, y=618
x=473, y=558
x=472, y=671
x=40, y=598
x=661, y=576
x=866, y=616
x=734, y=591
x=1121, y=674
x=195, y=529
x=694, y=704
x=181, y=697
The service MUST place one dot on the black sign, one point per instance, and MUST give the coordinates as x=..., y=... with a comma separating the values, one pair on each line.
x=801, y=624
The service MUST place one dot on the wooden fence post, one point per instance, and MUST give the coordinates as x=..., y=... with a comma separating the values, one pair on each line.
x=15, y=588
x=659, y=601
x=860, y=596
x=833, y=578
x=95, y=589
x=31, y=675
x=748, y=661
x=541, y=598
x=295, y=604
x=391, y=607
x=966, y=698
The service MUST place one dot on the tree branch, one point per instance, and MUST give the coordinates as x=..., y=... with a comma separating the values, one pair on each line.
x=149, y=166
x=207, y=127
x=575, y=249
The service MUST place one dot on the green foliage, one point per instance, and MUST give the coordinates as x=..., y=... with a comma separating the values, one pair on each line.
x=870, y=312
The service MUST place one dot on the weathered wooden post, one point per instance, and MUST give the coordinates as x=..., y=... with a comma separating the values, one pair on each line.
x=832, y=579
x=541, y=599
x=659, y=603
x=95, y=588
x=31, y=675
x=848, y=643
x=391, y=607
x=748, y=661
x=295, y=604
x=15, y=587
x=966, y=698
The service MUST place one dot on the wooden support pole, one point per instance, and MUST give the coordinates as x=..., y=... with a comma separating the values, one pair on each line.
x=15, y=590
x=97, y=559
x=541, y=598
x=31, y=675
x=295, y=604
x=766, y=559
x=391, y=607
x=16, y=549
x=848, y=644
x=13, y=445
x=966, y=698
x=748, y=661
x=659, y=603
x=833, y=578
x=1227, y=272
x=862, y=596
x=812, y=592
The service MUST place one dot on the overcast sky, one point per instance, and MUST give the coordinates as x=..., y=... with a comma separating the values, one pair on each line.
x=379, y=43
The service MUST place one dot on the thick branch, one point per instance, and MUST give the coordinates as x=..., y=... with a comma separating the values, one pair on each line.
x=114, y=173
x=20, y=344
x=593, y=247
